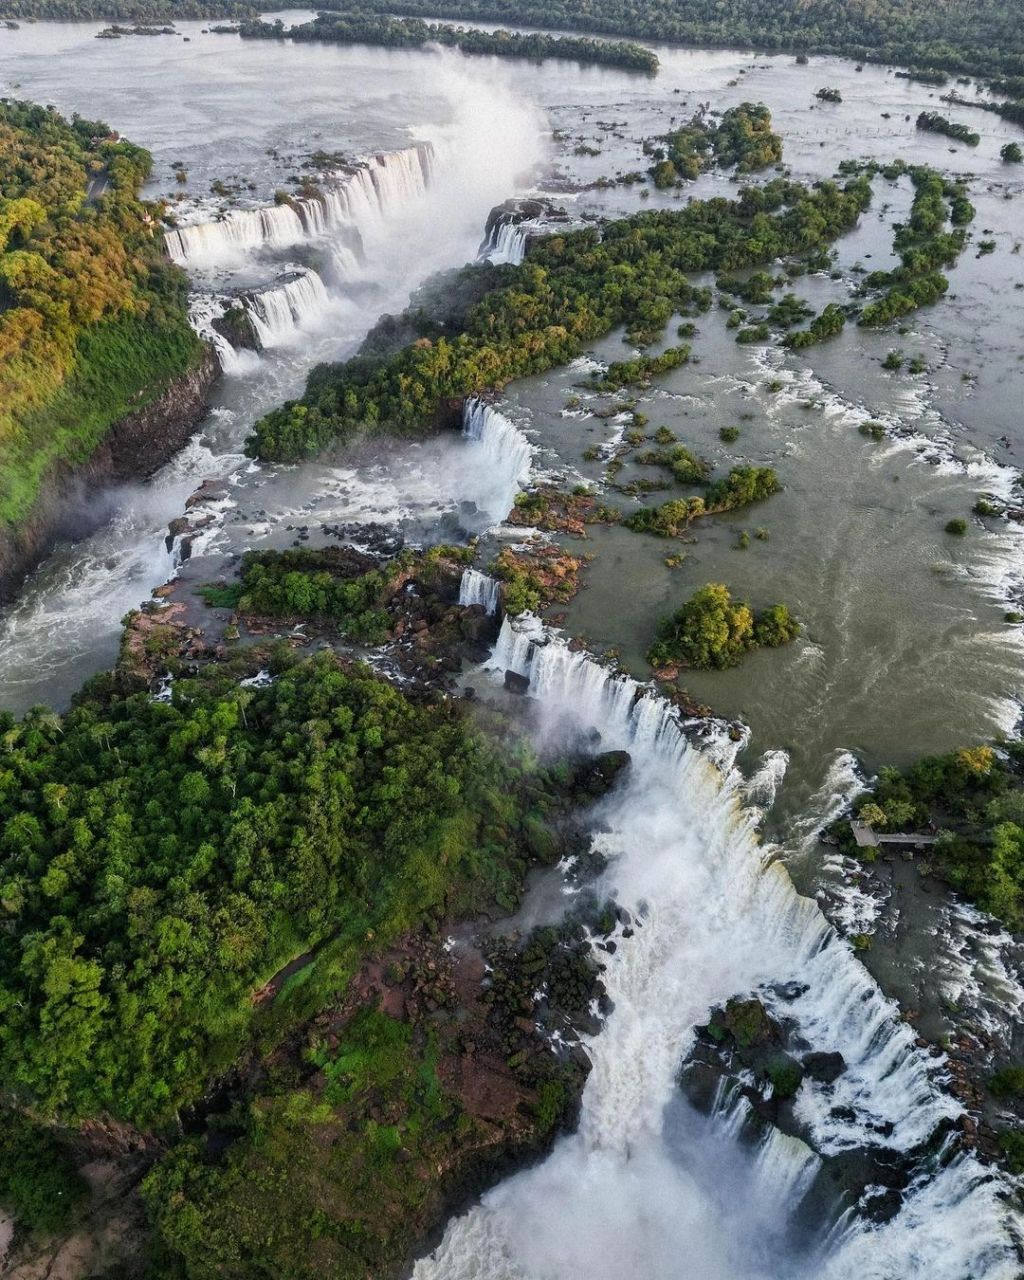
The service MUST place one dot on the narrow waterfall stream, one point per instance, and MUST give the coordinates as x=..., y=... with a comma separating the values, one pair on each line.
x=646, y=1186
x=506, y=243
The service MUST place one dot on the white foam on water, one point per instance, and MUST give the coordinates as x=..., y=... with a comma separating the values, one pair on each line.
x=280, y=313
x=718, y=916
x=765, y=782
x=506, y=243
x=842, y=783
x=351, y=200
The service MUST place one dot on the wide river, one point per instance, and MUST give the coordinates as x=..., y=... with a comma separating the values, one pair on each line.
x=904, y=648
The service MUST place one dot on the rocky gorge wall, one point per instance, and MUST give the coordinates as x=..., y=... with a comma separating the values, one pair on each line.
x=133, y=448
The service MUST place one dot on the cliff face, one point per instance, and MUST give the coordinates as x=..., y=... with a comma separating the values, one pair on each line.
x=133, y=448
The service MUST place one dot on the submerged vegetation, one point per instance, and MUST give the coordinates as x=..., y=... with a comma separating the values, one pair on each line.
x=93, y=319
x=713, y=631
x=410, y=33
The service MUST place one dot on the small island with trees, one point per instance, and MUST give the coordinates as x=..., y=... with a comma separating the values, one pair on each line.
x=711, y=631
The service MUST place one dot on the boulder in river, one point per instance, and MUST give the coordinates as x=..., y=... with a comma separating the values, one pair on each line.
x=515, y=683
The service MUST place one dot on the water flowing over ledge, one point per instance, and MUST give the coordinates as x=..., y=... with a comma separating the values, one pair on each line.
x=479, y=588
x=506, y=243
x=345, y=200
x=276, y=313
x=718, y=916
x=502, y=461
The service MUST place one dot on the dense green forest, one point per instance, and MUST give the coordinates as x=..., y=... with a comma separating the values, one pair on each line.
x=134, y=10
x=975, y=799
x=410, y=33
x=162, y=860
x=93, y=319
x=979, y=36
x=572, y=289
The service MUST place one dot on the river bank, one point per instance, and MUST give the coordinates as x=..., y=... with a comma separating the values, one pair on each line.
x=72, y=502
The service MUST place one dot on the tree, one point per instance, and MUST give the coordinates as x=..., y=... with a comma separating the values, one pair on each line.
x=712, y=631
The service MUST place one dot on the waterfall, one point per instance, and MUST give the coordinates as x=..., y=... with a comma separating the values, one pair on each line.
x=500, y=458
x=479, y=588
x=716, y=916
x=238, y=231
x=277, y=313
x=353, y=197
x=505, y=244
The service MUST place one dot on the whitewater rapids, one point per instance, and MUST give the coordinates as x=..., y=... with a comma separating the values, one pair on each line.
x=647, y=1187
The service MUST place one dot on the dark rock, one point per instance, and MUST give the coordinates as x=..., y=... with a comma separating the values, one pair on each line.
x=515, y=683
x=881, y=1206
x=596, y=776
x=747, y=1022
x=824, y=1067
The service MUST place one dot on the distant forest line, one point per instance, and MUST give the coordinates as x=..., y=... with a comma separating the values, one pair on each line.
x=980, y=37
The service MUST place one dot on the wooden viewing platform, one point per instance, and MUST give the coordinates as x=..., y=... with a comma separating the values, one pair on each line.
x=868, y=838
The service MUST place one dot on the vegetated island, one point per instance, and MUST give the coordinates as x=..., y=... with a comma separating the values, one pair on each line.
x=501, y=323
x=711, y=631
x=102, y=376
x=983, y=37
x=932, y=122
x=743, y=137
x=974, y=799
x=134, y=11
x=969, y=806
x=411, y=33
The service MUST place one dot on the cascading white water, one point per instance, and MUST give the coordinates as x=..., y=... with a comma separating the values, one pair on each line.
x=479, y=588
x=506, y=244
x=203, y=309
x=238, y=231
x=277, y=313
x=350, y=198
x=500, y=458
x=718, y=917
x=352, y=204
x=482, y=134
